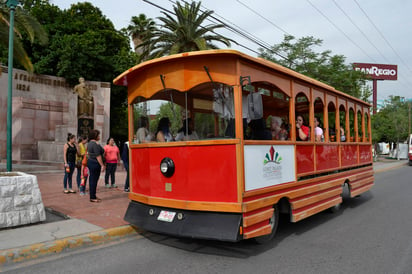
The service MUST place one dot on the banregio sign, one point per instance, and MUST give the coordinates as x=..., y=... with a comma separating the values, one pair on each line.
x=378, y=71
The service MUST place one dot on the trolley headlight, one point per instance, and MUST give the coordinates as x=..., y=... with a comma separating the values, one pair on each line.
x=167, y=167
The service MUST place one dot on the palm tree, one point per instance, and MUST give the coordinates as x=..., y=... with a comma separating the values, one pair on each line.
x=185, y=33
x=24, y=23
x=141, y=29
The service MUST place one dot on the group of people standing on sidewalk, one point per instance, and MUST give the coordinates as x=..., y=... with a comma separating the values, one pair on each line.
x=90, y=159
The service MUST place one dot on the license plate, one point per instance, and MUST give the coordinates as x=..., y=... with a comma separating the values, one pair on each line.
x=166, y=216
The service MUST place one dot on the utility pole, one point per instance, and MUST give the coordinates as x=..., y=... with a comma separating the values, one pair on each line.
x=409, y=117
x=12, y=4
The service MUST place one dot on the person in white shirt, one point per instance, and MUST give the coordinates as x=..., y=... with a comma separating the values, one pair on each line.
x=318, y=130
x=143, y=134
x=186, y=132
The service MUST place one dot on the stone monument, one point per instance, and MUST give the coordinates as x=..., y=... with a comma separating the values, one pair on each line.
x=85, y=108
x=45, y=109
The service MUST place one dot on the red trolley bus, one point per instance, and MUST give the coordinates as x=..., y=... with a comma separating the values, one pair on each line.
x=239, y=160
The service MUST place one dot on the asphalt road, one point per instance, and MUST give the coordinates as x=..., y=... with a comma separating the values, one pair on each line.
x=370, y=234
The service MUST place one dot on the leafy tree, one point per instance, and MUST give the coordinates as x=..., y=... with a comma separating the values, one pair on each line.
x=25, y=25
x=331, y=69
x=141, y=29
x=83, y=43
x=391, y=123
x=184, y=33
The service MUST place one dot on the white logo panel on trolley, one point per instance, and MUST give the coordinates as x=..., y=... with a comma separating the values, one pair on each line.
x=268, y=165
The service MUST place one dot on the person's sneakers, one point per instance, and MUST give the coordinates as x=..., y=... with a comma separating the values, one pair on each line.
x=72, y=191
x=82, y=193
x=114, y=186
x=107, y=186
x=65, y=191
x=126, y=190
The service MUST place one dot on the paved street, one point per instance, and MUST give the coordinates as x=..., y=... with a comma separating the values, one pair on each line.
x=371, y=234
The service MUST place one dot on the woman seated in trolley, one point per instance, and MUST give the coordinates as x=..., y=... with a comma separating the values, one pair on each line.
x=302, y=131
x=163, y=133
x=143, y=134
x=187, y=132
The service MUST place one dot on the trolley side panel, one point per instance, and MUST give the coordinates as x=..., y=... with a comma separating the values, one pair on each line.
x=202, y=173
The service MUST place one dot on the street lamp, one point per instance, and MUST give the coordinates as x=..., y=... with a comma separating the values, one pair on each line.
x=12, y=4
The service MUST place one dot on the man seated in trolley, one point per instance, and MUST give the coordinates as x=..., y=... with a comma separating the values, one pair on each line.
x=246, y=164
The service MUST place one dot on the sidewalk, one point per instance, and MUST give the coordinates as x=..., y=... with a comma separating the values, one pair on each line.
x=385, y=164
x=84, y=223
x=88, y=223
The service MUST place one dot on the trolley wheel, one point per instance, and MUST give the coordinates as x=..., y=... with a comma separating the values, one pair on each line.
x=345, y=195
x=335, y=208
x=273, y=221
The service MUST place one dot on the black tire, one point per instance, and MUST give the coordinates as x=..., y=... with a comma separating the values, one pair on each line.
x=410, y=162
x=345, y=195
x=335, y=208
x=274, y=221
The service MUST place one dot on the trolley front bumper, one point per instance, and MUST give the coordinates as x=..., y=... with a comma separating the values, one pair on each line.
x=185, y=223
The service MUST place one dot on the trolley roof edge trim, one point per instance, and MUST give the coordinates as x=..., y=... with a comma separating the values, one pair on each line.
x=122, y=81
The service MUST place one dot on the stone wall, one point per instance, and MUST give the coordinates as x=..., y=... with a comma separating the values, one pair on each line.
x=20, y=200
x=44, y=111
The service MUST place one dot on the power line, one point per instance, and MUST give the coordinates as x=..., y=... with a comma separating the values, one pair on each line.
x=237, y=30
x=254, y=39
x=170, y=12
x=231, y=24
x=364, y=35
x=234, y=29
x=231, y=28
x=264, y=18
x=340, y=30
x=383, y=37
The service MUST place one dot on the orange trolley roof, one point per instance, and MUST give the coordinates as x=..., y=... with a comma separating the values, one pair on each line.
x=132, y=75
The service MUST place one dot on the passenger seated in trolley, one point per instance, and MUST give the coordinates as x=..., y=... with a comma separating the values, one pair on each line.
x=163, y=131
x=275, y=127
x=284, y=132
x=279, y=129
x=332, y=134
x=143, y=134
x=318, y=130
x=342, y=134
x=186, y=132
x=258, y=130
x=302, y=131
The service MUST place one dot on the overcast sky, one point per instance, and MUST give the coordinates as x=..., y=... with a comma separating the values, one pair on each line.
x=365, y=31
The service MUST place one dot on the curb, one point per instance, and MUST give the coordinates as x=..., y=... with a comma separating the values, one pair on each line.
x=35, y=251
x=394, y=166
x=57, y=213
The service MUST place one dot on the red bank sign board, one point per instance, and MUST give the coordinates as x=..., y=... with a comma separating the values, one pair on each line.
x=378, y=71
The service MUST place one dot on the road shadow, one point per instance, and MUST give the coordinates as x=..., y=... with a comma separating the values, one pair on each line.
x=248, y=248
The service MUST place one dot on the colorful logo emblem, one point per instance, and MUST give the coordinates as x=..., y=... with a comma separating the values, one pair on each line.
x=272, y=157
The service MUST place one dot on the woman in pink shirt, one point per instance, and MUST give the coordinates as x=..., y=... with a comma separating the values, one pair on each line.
x=112, y=156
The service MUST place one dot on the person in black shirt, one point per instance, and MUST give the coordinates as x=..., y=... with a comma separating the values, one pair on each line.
x=69, y=156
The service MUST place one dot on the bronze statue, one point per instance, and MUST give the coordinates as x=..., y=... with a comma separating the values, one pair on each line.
x=85, y=100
